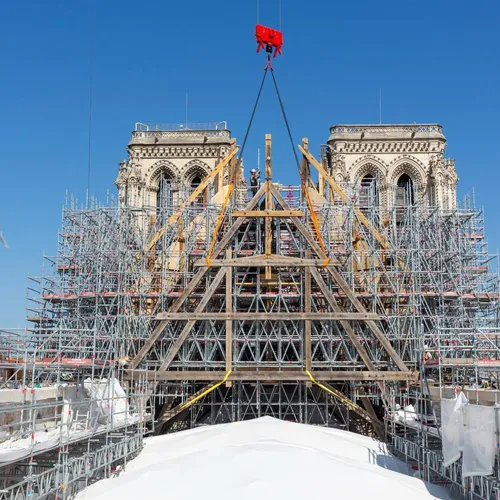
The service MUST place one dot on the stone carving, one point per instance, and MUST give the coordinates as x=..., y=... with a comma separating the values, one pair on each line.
x=389, y=151
x=181, y=155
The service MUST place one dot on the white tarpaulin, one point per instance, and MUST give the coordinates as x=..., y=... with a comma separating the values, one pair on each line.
x=452, y=428
x=479, y=441
x=264, y=458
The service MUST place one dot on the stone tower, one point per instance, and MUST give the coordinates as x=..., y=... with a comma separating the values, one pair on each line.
x=405, y=163
x=170, y=161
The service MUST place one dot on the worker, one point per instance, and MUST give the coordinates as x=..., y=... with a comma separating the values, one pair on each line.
x=427, y=354
x=254, y=181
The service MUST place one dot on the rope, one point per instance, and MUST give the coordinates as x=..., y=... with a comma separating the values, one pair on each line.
x=253, y=114
x=286, y=120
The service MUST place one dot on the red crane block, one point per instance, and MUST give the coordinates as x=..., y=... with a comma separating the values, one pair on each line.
x=268, y=39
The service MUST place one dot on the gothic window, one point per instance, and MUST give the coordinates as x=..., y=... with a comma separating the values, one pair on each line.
x=164, y=196
x=195, y=181
x=405, y=191
x=368, y=193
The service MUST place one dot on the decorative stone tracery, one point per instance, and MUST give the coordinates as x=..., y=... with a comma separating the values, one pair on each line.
x=389, y=151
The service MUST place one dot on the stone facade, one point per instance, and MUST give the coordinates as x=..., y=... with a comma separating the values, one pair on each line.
x=402, y=163
x=390, y=155
x=183, y=156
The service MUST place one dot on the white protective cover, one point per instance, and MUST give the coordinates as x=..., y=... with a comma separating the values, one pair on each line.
x=452, y=428
x=263, y=459
x=479, y=441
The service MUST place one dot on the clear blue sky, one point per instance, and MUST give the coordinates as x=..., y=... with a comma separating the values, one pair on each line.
x=436, y=61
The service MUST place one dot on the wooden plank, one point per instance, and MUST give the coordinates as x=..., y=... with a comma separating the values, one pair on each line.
x=267, y=213
x=189, y=325
x=264, y=316
x=308, y=324
x=270, y=375
x=161, y=326
x=229, y=310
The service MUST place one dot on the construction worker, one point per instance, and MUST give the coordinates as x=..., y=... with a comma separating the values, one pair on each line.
x=254, y=181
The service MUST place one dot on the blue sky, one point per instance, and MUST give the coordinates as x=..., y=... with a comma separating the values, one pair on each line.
x=436, y=61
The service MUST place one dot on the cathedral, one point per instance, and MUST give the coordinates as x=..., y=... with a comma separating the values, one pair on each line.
x=385, y=165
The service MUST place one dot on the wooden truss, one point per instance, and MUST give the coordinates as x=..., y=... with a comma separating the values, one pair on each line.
x=326, y=297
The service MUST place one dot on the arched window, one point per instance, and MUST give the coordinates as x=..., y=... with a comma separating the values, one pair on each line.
x=164, y=196
x=196, y=181
x=193, y=182
x=368, y=193
x=405, y=192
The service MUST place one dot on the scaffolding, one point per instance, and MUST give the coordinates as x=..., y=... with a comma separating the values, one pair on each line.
x=308, y=303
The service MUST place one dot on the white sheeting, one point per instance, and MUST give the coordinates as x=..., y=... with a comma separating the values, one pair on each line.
x=265, y=459
x=479, y=441
x=82, y=411
x=452, y=428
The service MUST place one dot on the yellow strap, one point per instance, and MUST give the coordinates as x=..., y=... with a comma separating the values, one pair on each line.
x=219, y=222
x=344, y=400
x=204, y=393
x=316, y=225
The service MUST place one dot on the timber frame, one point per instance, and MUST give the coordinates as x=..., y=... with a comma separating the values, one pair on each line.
x=212, y=301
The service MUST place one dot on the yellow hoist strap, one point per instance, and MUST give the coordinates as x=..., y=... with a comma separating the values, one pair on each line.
x=219, y=222
x=316, y=225
x=187, y=404
x=341, y=398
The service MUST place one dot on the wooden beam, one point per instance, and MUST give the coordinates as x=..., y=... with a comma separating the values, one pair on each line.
x=269, y=204
x=237, y=224
x=161, y=326
x=377, y=424
x=363, y=354
x=269, y=375
x=204, y=183
x=266, y=316
x=189, y=325
x=169, y=414
x=308, y=324
x=267, y=213
x=229, y=310
x=348, y=292
x=371, y=324
x=195, y=280
x=341, y=194
x=303, y=229
x=272, y=260
x=371, y=418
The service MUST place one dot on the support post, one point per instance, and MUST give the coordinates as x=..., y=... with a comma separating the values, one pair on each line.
x=229, y=322
x=269, y=203
x=308, y=322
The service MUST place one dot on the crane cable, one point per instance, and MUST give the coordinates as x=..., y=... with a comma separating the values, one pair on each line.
x=287, y=125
